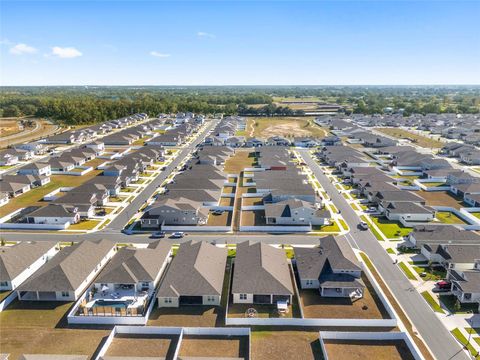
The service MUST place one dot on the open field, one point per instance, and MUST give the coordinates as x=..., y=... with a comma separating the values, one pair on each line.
x=265, y=127
x=41, y=328
x=372, y=349
x=368, y=307
x=44, y=129
x=143, y=345
x=9, y=126
x=34, y=197
x=415, y=138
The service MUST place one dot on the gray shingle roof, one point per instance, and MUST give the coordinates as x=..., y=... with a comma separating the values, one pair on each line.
x=197, y=269
x=134, y=265
x=261, y=269
x=17, y=258
x=69, y=268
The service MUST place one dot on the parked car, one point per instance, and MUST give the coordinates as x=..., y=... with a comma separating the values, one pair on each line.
x=158, y=235
x=177, y=235
x=444, y=284
x=363, y=225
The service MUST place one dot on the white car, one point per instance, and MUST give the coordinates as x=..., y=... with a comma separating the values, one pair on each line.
x=177, y=235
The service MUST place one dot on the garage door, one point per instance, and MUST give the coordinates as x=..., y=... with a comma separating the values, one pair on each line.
x=191, y=300
x=261, y=299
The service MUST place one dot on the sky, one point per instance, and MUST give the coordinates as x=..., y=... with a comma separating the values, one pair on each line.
x=239, y=43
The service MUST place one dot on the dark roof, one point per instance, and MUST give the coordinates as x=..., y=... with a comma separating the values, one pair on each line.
x=261, y=269
x=197, y=269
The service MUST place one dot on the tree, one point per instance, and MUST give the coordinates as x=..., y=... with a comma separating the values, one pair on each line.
x=11, y=111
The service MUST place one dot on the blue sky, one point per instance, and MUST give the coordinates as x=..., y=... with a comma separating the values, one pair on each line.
x=239, y=43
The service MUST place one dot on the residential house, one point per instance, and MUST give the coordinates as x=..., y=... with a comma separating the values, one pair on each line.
x=66, y=276
x=54, y=214
x=261, y=275
x=294, y=212
x=84, y=202
x=36, y=168
x=20, y=261
x=194, y=277
x=331, y=267
x=409, y=211
x=441, y=234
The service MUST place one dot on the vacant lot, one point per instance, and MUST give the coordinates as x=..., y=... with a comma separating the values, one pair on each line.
x=368, y=307
x=214, y=346
x=41, y=328
x=441, y=198
x=28, y=134
x=414, y=138
x=267, y=345
x=143, y=345
x=361, y=349
x=9, y=127
x=265, y=127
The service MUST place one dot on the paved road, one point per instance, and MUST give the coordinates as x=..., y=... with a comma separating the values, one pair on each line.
x=122, y=219
x=437, y=337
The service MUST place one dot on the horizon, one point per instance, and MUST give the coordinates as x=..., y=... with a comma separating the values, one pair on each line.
x=205, y=43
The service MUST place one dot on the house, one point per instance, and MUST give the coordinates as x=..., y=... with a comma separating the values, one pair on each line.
x=137, y=269
x=261, y=275
x=254, y=142
x=20, y=261
x=61, y=165
x=36, y=168
x=304, y=142
x=112, y=183
x=465, y=189
x=331, y=141
x=472, y=199
x=13, y=187
x=409, y=211
x=100, y=192
x=452, y=256
x=37, y=147
x=277, y=141
x=466, y=284
x=66, y=276
x=84, y=202
x=441, y=234
x=295, y=212
x=21, y=154
x=54, y=214
x=194, y=277
x=173, y=211
x=331, y=267
x=7, y=159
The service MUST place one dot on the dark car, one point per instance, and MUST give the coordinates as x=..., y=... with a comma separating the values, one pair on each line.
x=158, y=235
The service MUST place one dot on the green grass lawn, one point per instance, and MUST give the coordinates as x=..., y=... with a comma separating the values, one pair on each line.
x=327, y=228
x=474, y=331
x=476, y=214
x=432, y=302
x=447, y=217
x=391, y=251
x=464, y=341
x=391, y=229
x=343, y=223
x=84, y=225
x=407, y=271
x=372, y=229
x=431, y=274
x=434, y=184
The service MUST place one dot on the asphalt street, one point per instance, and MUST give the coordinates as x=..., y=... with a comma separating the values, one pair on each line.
x=438, y=338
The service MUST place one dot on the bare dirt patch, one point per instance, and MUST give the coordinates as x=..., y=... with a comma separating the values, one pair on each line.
x=214, y=346
x=285, y=127
x=9, y=127
x=441, y=198
x=143, y=345
x=356, y=350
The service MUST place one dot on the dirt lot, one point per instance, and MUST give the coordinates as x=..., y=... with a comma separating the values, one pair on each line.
x=441, y=198
x=414, y=138
x=378, y=350
x=283, y=126
x=268, y=345
x=41, y=328
x=226, y=201
x=253, y=218
x=315, y=306
x=8, y=127
x=204, y=316
x=143, y=345
x=214, y=346
x=224, y=219
x=44, y=128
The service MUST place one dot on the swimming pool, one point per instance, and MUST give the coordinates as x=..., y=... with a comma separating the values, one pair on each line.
x=112, y=303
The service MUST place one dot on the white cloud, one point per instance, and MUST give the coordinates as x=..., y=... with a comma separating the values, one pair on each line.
x=21, y=49
x=159, y=54
x=203, y=34
x=65, y=52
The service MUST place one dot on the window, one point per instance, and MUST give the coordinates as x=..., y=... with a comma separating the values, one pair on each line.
x=65, y=294
x=168, y=300
x=3, y=283
x=210, y=298
x=145, y=284
x=243, y=296
x=309, y=282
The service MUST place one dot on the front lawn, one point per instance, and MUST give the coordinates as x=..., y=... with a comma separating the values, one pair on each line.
x=391, y=251
x=391, y=229
x=84, y=225
x=327, y=228
x=463, y=340
x=431, y=274
x=432, y=302
x=455, y=307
